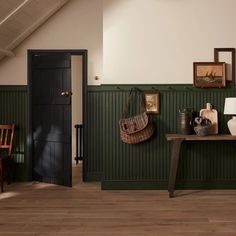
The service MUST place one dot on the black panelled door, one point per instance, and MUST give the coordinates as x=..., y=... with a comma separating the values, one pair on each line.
x=51, y=118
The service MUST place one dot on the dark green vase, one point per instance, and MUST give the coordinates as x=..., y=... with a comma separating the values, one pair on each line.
x=185, y=117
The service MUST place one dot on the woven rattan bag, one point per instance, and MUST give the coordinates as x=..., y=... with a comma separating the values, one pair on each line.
x=138, y=128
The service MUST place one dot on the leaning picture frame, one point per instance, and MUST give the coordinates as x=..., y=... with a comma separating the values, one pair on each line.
x=209, y=74
x=152, y=102
x=230, y=68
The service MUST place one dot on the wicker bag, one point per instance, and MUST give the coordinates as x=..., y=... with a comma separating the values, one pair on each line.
x=135, y=129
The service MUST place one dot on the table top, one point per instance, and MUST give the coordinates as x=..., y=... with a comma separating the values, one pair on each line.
x=194, y=137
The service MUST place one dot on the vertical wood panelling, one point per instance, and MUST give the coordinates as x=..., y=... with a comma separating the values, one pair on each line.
x=125, y=166
x=13, y=109
x=96, y=121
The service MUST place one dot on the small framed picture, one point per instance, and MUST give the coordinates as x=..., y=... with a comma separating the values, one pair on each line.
x=209, y=74
x=152, y=102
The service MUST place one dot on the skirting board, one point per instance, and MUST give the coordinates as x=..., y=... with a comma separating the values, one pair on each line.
x=162, y=185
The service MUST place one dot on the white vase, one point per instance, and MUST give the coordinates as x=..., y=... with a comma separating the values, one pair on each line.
x=232, y=125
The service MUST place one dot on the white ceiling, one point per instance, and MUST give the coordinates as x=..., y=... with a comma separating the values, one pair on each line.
x=19, y=18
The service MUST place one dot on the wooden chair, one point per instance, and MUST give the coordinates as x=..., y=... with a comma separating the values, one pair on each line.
x=6, y=139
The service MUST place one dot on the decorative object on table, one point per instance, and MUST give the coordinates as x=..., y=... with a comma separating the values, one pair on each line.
x=209, y=74
x=201, y=126
x=185, y=117
x=135, y=128
x=212, y=115
x=230, y=73
x=230, y=109
x=152, y=102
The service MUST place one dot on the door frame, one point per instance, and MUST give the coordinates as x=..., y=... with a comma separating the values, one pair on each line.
x=79, y=52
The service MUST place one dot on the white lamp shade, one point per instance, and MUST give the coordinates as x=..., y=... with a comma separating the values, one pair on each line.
x=230, y=106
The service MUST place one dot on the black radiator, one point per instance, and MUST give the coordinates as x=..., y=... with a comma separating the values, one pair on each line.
x=79, y=143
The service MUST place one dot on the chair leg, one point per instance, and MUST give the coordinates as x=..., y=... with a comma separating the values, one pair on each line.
x=1, y=174
x=9, y=170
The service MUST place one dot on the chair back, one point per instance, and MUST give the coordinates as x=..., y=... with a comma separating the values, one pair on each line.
x=6, y=137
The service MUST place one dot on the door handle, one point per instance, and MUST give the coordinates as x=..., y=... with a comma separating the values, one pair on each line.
x=65, y=93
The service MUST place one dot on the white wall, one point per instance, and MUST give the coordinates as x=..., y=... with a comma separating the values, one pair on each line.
x=156, y=41
x=145, y=41
x=78, y=25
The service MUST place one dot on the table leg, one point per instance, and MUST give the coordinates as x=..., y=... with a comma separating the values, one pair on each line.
x=176, y=145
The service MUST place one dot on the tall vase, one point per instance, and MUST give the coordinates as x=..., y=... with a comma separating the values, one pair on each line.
x=185, y=117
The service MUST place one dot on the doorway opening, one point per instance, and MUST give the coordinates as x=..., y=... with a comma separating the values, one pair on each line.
x=57, y=99
x=77, y=118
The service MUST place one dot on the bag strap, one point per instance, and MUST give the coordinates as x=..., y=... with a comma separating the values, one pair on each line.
x=131, y=100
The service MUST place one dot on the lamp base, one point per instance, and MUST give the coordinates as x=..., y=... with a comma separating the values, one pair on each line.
x=232, y=126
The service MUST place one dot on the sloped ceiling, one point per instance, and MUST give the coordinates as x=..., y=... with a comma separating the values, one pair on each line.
x=19, y=18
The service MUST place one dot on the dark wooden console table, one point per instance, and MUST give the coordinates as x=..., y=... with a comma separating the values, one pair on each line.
x=177, y=140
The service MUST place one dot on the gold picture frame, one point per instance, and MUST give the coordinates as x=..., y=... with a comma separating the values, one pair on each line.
x=152, y=102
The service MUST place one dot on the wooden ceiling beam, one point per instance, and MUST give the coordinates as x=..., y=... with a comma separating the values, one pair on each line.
x=15, y=11
x=14, y=43
x=6, y=52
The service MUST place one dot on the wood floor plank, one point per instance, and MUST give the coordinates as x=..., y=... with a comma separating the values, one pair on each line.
x=40, y=209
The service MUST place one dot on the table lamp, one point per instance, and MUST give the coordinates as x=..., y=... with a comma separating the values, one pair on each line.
x=230, y=109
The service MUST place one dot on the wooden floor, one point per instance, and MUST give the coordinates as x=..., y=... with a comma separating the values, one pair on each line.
x=43, y=209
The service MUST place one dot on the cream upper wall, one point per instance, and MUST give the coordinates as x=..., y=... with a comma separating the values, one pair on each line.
x=144, y=41
x=78, y=25
x=156, y=41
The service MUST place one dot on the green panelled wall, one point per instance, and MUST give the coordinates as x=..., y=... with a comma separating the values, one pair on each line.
x=146, y=165
x=13, y=104
x=95, y=134
x=142, y=166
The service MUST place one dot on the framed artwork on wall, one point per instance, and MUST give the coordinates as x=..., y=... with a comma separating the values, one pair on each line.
x=209, y=74
x=228, y=56
x=152, y=102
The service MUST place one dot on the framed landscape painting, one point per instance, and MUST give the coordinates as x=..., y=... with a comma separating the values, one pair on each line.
x=209, y=74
